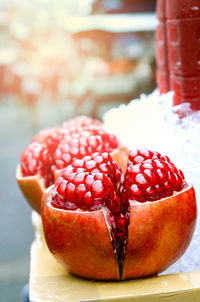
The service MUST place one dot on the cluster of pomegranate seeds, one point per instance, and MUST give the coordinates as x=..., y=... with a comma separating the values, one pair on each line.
x=61, y=145
x=137, y=156
x=50, y=137
x=36, y=159
x=150, y=176
x=81, y=144
x=88, y=183
x=80, y=123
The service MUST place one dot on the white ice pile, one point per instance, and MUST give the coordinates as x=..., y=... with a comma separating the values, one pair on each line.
x=150, y=122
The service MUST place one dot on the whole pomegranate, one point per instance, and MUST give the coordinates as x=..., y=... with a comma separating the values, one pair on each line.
x=103, y=224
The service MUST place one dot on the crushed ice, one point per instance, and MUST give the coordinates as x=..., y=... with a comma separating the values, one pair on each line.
x=151, y=122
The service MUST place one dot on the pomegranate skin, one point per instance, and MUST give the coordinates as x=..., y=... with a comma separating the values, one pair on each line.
x=159, y=233
x=80, y=241
x=32, y=187
x=120, y=155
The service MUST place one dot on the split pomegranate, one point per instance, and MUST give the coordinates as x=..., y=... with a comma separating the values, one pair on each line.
x=102, y=224
x=55, y=148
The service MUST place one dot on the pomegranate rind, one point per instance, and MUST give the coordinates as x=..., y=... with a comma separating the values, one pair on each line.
x=159, y=233
x=120, y=155
x=80, y=241
x=32, y=188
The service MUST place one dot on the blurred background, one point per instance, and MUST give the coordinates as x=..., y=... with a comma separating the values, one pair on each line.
x=58, y=59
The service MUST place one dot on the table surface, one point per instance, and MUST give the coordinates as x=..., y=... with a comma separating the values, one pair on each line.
x=50, y=282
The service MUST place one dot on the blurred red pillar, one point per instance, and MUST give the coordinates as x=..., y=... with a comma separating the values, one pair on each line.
x=162, y=73
x=179, y=24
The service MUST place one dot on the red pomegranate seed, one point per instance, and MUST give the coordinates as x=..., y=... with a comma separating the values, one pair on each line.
x=61, y=188
x=88, y=200
x=70, y=193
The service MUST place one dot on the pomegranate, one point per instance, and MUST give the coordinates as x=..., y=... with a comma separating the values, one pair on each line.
x=103, y=224
x=55, y=148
